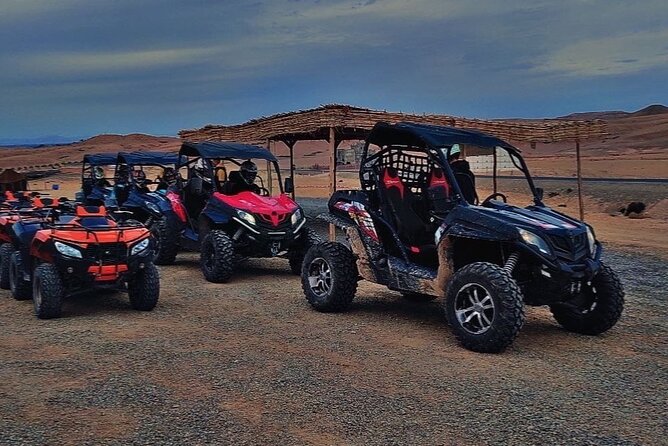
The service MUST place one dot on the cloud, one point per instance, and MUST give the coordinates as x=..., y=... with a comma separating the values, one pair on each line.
x=11, y=10
x=625, y=54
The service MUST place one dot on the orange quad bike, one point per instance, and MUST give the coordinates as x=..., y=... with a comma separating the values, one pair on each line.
x=13, y=209
x=67, y=254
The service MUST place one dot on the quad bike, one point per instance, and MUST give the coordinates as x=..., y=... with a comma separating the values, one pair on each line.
x=69, y=252
x=96, y=187
x=416, y=226
x=229, y=227
x=14, y=210
x=151, y=207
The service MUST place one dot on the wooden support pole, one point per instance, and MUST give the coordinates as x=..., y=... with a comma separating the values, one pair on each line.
x=291, y=145
x=332, y=175
x=269, y=169
x=579, y=175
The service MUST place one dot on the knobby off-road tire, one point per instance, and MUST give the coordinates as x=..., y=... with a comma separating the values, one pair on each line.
x=6, y=251
x=144, y=288
x=167, y=239
x=21, y=289
x=417, y=297
x=603, y=306
x=484, y=307
x=47, y=291
x=217, y=257
x=329, y=277
x=296, y=254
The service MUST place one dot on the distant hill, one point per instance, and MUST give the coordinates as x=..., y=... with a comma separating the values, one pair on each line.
x=605, y=115
x=654, y=109
x=51, y=140
x=650, y=110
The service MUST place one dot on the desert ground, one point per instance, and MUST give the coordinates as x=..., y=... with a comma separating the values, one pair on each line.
x=249, y=362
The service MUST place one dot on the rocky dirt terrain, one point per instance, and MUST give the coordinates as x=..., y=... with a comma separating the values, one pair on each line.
x=250, y=363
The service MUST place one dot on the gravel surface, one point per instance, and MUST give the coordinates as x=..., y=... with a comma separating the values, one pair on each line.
x=250, y=363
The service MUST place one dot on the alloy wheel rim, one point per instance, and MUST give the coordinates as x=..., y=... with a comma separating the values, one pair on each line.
x=474, y=308
x=320, y=277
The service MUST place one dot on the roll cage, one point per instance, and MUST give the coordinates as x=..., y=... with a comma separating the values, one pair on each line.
x=208, y=151
x=90, y=161
x=144, y=159
x=415, y=150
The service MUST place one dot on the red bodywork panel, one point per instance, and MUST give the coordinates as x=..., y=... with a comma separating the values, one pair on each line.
x=177, y=205
x=6, y=221
x=273, y=210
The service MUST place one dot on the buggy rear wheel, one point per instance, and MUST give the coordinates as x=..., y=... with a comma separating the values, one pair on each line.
x=484, y=307
x=144, y=288
x=6, y=251
x=21, y=289
x=47, y=291
x=166, y=239
x=598, y=308
x=329, y=277
x=217, y=257
x=296, y=254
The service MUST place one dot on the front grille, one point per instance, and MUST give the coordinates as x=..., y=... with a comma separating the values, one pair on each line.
x=570, y=247
x=108, y=253
x=267, y=226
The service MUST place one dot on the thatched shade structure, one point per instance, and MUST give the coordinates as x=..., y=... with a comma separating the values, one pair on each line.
x=335, y=123
x=354, y=123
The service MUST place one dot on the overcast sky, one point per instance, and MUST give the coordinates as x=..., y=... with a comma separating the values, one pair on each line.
x=83, y=67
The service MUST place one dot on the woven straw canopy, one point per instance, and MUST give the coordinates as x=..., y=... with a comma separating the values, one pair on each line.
x=355, y=123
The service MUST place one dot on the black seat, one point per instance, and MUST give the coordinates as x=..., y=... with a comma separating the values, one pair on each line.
x=398, y=207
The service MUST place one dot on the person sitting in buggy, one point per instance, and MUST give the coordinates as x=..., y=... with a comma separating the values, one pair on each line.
x=465, y=177
x=99, y=178
x=167, y=180
x=242, y=180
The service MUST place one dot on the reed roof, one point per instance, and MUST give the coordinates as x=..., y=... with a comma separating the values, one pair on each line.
x=355, y=123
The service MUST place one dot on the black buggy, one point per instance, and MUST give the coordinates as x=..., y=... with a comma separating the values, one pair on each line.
x=418, y=227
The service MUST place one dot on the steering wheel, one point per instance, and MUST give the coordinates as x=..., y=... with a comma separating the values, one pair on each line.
x=493, y=196
x=264, y=191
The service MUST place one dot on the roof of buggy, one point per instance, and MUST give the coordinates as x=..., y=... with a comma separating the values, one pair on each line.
x=148, y=158
x=100, y=159
x=210, y=149
x=412, y=134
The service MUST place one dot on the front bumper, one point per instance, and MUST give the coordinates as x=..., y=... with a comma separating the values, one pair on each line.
x=89, y=272
x=260, y=241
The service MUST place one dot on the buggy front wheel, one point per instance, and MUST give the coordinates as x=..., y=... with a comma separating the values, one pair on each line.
x=484, y=307
x=329, y=277
x=217, y=256
x=598, y=307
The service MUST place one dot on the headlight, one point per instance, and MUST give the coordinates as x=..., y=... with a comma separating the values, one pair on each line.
x=532, y=239
x=152, y=207
x=245, y=216
x=591, y=240
x=139, y=247
x=67, y=250
x=296, y=217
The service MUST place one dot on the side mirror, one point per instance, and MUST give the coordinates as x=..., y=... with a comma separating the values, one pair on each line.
x=540, y=192
x=289, y=186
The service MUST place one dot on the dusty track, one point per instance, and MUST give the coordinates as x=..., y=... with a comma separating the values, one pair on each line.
x=249, y=362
